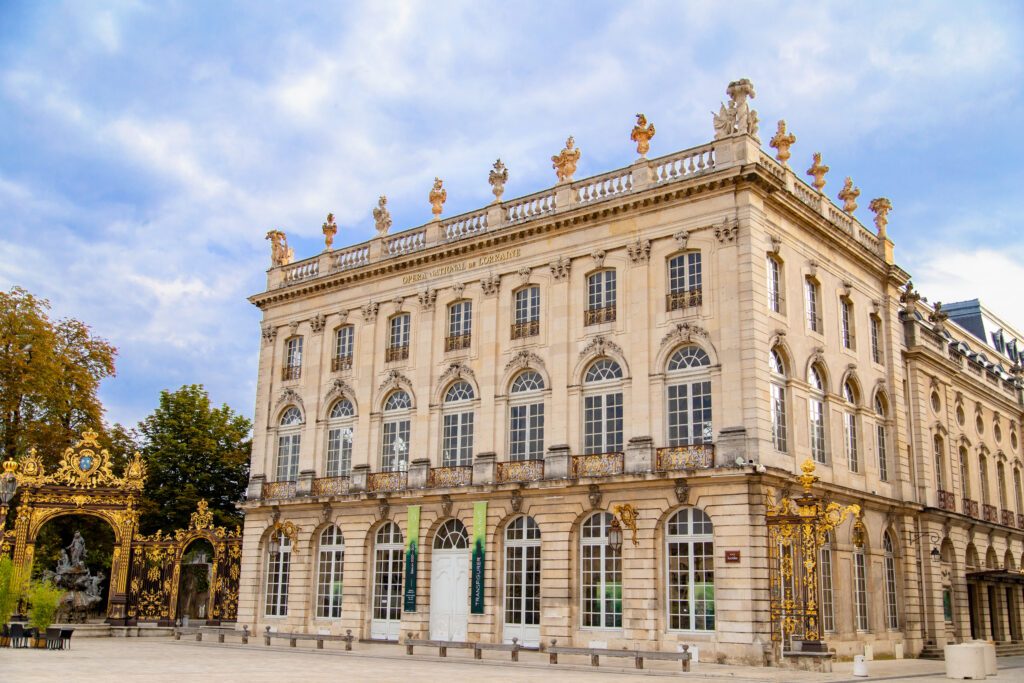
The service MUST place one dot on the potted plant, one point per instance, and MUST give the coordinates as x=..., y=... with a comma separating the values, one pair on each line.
x=9, y=596
x=44, y=599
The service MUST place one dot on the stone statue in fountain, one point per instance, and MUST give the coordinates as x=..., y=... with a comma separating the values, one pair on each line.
x=83, y=591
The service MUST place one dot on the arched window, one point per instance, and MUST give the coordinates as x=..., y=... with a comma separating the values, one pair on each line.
x=389, y=555
x=330, y=573
x=1001, y=484
x=891, y=616
x=398, y=337
x=602, y=407
x=526, y=417
x=289, y=439
x=940, y=468
x=775, y=291
x=778, y=400
x=460, y=325
x=394, y=454
x=812, y=299
x=690, y=551
x=600, y=574
x=526, y=321
x=684, y=281
x=457, y=435
x=860, y=582
x=340, y=424
x=688, y=396
x=965, y=477
x=983, y=472
x=828, y=609
x=851, y=439
x=601, y=295
x=279, y=563
x=816, y=413
x=451, y=536
x=522, y=581
x=881, y=439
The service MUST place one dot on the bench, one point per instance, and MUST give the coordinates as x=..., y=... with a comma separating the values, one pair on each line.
x=199, y=631
x=638, y=656
x=514, y=647
x=320, y=638
x=441, y=645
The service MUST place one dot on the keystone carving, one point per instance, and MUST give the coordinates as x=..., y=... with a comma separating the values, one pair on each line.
x=560, y=268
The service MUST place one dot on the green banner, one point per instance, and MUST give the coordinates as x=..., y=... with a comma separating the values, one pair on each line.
x=476, y=603
x=412, y=557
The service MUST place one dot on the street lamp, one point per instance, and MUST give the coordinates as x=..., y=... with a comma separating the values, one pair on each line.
x=933, y=537
x=8, y=487
x=615, y=535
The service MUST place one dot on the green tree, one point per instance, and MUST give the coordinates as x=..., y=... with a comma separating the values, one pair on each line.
x=193, y=450
x=50, y=374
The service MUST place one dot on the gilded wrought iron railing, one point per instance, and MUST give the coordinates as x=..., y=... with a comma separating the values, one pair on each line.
x=449, y=477
x=520, y=470
x=1020, y=521
x=684, y=298
x=291, y=372
x=278, y=489
x=593, y=316
x=988, y=513
x=394, y=353
x=1006, y=518
x=330, y=486
x=692, y=457
x=946, y=501
x=530, y=328
x=597, y=465
x=339, y=363
x=969, y=507
x=386, y=481
x=457, y=341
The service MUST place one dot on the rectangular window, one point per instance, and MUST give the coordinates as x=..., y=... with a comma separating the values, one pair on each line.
x=293, y=358
x=828, y=611
x=460, y=318
x=526, y=432
x=778, y=409
x=394, y=454
x=813, y=308
x=883, y=453
x=601, y=586
x=527, y=313
x=691, y=586
x=398, y=339
x=278, y=571
x=860, y=590
x=343, y=348
x=689, y=414
x=288, y=456
x=892, y=616
x=457, y=440
x=602, y=424
x=965, y=482
x=328, y=593
x=876, y=339
x=817, y=415
x=774, y=285
x=846, y=323
x=850, y=434
x=601, y=294
x=339, y=452
x=685, y=281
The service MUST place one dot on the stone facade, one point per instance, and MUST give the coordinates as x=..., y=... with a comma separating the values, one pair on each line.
x=752, y=222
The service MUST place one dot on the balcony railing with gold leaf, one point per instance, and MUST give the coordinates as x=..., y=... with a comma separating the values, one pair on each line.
x=291, y=372
x=520, y=470
x=529, y=328
x=946, y=501
x=330, y=486
x=449, y=477
x=969, y=507
x=693, y=457
x=278, y=489
x=1006, y=518
x=684, y=298
x=1020, y=521
x=988, y=513
x=339, y=363
x=386, y=481
x=393, y=353
x=594, y=316
x=456, y=342
x=597, y=465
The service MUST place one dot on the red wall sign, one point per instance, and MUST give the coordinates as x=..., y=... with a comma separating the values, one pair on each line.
x=732, y=556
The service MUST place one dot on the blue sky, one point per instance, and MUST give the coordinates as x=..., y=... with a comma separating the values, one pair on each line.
x=146, y=148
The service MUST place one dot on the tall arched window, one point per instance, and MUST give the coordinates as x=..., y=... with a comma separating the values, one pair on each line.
x=330, y=573
x=965, y=477
x=891, y=616
x=340, y=425
x=526, y=417
x=851, y=439
x=688, y=392
x=522, y=581
x=1001, y=484
x=828, y=609
x=881, y=439
x=457, y=435
x=601, y=296
x=775, y=291
x=600, y=574
x=860, y=581
x=602, y=407
x=816, y=413
x=983, y=472
x=279, y=564
x=778, y=400
x=690, y=551
x=940, y=466
x=394, y=453
x=289, y=439
x=684, y=281
x=388, y=560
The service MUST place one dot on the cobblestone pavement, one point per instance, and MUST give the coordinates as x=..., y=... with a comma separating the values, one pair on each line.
x=163, y=660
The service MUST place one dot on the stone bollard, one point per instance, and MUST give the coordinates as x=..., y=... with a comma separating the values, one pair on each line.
x=245, y=635
x=685, y=661
x=348, y=640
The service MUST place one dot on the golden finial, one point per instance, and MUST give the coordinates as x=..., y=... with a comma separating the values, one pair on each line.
x=881, y=206
x=642, y=134
x=10, y=466
x=808, y=477
x=438, y=196
x=782, y=142
x=818, y=171
x=849, y=195
x=330, y=229
x=497, y=178
x=565, y=162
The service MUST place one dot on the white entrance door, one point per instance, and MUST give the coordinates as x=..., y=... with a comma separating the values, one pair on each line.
x=449, y=595
x=388, y=568
x=522, y=582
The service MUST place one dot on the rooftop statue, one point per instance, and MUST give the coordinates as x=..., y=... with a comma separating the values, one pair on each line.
x=737, y=118
x=881, y=206
x=642, y=134
x=330, y=230
x=438, y=196
x=280, y=253
x=849, y=195
x=782, y=141
x=565, y=162
x=382, y=217
x=818, y=171
x=497, y=178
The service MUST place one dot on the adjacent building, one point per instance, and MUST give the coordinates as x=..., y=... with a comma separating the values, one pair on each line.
x=560, y=416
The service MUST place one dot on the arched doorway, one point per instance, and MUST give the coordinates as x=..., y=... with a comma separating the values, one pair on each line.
x=194, y=582
x=449, y=582
x=75, y=552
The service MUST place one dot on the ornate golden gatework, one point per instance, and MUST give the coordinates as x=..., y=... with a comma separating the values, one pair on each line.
x=797, y=528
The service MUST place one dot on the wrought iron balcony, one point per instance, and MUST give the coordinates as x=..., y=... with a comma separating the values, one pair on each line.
x=947, y=501
x=291, y=372
x=457, y=342
x=520, y=470
x=278, y=489
x=386, y=481
x=969, y=507
x=530, y=328
x=597, y=465
x=594, y=316
x=684, y=298
x=1006, y=518
x=394, y=353
x=339, y=363
x=449, y=477
x=692, y=457
x=1020, y=521
x=988, y=513
x=330, y=486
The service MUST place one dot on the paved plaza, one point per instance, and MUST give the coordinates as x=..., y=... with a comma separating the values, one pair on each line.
x=159, y=660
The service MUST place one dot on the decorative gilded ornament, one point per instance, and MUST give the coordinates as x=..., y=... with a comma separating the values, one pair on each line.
x=628, y=514
x=381, y=216
x=438, y=196
x=881, y=206
x=280, y=253
x=782, y=141
x=202, y=518
x=849, y=195
x=818, y=171
x=641, y=135
x=497, y=178
x=565, y=162
x=330, y=229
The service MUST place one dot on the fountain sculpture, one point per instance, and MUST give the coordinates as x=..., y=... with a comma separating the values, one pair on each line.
x=83, y=589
